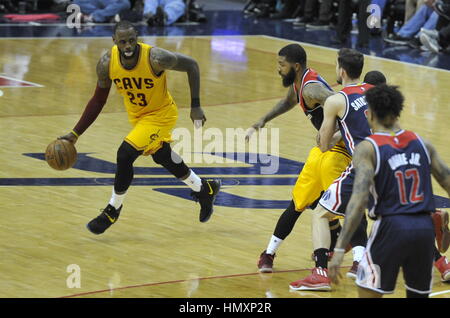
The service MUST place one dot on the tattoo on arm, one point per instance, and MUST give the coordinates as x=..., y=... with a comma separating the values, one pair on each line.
x=161, y=60
x=364, y=165
x=103, y=71
x=315, y=94
x=282, y=106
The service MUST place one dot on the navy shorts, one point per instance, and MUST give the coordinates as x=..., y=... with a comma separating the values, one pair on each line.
x=405, y=241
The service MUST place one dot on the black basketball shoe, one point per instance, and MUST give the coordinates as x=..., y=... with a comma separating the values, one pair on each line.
x=108, y=217
x=206, y=197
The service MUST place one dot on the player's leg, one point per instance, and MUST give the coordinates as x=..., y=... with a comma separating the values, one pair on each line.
x=203, y=190
x=306, y=190
x=418, y=266
x=126, y=155
x=442, y=264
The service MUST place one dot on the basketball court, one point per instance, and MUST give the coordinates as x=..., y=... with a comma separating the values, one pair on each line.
x=158, y=248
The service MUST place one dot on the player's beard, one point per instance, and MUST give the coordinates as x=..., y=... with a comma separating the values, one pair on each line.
x=289, y=78
x=339, y=80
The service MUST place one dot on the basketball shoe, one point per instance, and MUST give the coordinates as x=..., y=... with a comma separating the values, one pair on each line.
x=443, y=267
x=206, y=197
x=318, y=280
x=265, y=263
x=440, y=220
x=353, y=270
x=102, y=222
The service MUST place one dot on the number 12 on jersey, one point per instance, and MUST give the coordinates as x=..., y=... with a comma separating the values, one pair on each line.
x=414, y=195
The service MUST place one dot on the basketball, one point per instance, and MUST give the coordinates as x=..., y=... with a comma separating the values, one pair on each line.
x=61, y=154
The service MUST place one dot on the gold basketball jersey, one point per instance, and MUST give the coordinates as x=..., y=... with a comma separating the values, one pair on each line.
x=143, y=91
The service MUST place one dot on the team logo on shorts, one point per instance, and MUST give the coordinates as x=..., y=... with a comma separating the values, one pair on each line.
x=153, y=137
x=326, y=195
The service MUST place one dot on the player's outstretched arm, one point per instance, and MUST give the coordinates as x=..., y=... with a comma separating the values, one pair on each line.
x=364, y=164
x=96, y=103
x=331, y=108
x=162, y=60
x=280, y=108
x=439, y=169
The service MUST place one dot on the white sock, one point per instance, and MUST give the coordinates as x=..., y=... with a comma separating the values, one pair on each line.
x=274, y=243
x=116, y=199
x=358, y=253
x=193, y=181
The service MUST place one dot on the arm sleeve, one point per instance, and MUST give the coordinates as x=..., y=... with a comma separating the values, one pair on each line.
x=92, y=110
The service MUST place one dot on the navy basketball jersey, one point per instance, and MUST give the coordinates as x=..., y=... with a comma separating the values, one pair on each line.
x=353, y=124
x=402, y=175
x=315, y=114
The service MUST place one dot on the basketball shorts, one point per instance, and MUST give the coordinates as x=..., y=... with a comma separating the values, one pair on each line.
x=150, y=131
x=319, y=171
x=335, y=199
x=405, y=241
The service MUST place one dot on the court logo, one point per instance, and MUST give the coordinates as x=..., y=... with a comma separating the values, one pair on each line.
x=74, y=279
x=209, y=145
x=74, y=19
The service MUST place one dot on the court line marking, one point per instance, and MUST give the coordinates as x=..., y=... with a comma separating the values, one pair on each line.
x=371, y=56
x=185, y=280
x=21, y=81
x=439, y=293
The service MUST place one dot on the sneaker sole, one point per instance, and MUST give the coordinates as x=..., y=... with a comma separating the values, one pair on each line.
x=321, y=287
x=351, y=275
x=266, y=270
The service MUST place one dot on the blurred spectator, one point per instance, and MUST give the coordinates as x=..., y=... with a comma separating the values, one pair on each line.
x=309, y=13
x=412, y=7
x=101, y=10
x=163, y=12
x=344, y=26
x=325, y=15
x=425, y=18
x=287, y=9
x=436, y=41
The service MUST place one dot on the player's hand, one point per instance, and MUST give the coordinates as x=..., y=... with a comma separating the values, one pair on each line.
x=198, y=117
x=255, y=127
x=334, y=265
x=70, y=137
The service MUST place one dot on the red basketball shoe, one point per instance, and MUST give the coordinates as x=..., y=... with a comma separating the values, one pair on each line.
x=318, y=280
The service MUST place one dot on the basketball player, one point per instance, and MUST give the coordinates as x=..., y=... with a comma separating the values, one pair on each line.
x=396, y=165
x=308, y=89
x=139, y=72
x=348, y=108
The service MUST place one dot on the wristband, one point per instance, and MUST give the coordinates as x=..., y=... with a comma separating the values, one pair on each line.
x=73, y=132
x=195, y=102
x=339, y=250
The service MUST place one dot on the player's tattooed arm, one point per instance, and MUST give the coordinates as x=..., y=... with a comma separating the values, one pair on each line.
x=364, y=165
x=162, y=60
x=281, y=107
x=315, y=94
x=103, y=71
x=440, y=171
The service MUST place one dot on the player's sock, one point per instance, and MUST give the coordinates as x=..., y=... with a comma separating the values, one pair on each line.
x=117, y=199
x=335, y=229
x=283, y=228
x=437, y=255
x=274, y=243
x=321, y=257
x=193, y=181
x=358, y=253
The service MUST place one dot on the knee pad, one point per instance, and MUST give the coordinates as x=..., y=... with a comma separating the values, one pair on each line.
x=163, y=154
x=127, y=154
x=164, y=158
